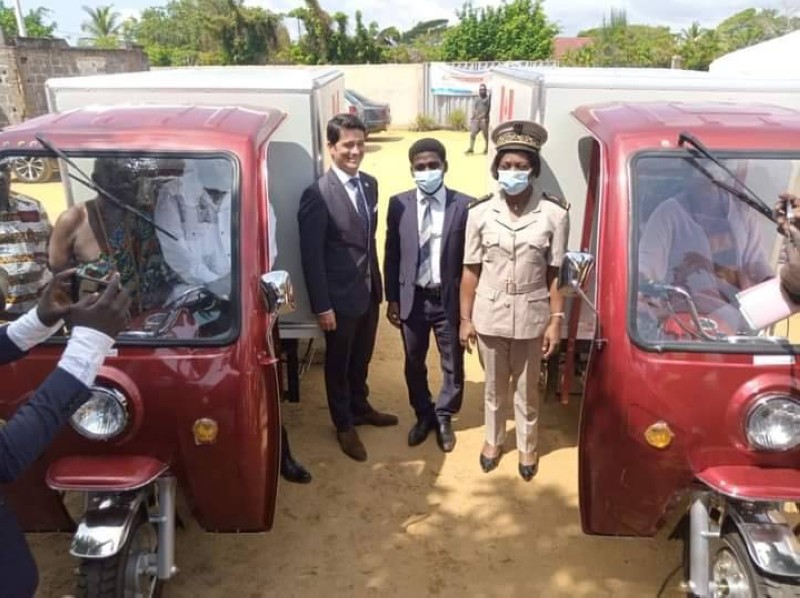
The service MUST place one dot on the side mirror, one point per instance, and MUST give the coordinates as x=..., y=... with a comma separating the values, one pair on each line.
x=575, y=269
x=276, y=288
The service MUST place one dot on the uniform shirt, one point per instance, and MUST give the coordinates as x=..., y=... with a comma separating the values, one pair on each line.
x=24, y=234
x=481, y=107
x=437, y=224
x=512, y=296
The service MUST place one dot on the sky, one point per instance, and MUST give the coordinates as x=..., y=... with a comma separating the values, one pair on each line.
x=571, y=15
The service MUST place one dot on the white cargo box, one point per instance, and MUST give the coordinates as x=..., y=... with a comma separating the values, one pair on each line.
x=297, y=156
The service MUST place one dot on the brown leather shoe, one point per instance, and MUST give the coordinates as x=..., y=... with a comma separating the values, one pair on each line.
x=375, y=418
x=351, y=445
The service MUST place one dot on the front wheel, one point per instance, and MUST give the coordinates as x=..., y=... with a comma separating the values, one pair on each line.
x=126, y=574
x=734, y=575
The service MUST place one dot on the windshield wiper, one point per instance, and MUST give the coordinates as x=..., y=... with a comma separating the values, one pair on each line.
x=85, y=180
x=750, y=198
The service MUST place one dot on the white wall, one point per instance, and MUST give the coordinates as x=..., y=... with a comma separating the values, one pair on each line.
x=402, y=86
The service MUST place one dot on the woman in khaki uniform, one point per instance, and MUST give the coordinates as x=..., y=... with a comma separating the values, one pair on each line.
x=509, y=298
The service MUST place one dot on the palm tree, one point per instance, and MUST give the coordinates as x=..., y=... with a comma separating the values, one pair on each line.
x=104, y=22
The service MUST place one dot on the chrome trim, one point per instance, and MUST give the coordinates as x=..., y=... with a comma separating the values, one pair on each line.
x=165, y=524
x=765, y=398
x=278, y=293
x=768, y=536
x=115, y=394
x=106, y=524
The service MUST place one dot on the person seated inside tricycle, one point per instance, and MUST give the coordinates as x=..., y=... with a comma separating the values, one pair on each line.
x=700, y=247
x=153, y=221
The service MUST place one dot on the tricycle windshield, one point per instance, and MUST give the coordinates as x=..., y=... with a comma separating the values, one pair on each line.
x=162, y=222
x=696, y=247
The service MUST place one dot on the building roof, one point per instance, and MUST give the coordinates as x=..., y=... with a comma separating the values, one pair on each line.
x=562, y=45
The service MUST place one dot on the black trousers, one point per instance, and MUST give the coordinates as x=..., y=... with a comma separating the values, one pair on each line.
x=348, y=351
x=18, y=574
x=428, y=315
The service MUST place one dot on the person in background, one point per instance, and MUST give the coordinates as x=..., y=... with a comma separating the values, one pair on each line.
x=24, y=234
x=337, y=219
x=422, y=269
x=510, y=302
x=479, y=119
x=95, y=322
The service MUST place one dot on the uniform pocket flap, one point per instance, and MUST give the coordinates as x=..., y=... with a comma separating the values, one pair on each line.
x=487, y=293
x=490, y=239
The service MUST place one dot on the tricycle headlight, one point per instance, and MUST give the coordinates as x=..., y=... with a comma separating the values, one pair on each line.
x=103, y=416
x=773, y=424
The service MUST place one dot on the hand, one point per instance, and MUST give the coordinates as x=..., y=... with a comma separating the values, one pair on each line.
x=787, y=213
x=106, y=313
x=55, y=301
x=327, y=321
x=692, y=262
x=552, y=338
x=467, y=335
x=393, y=314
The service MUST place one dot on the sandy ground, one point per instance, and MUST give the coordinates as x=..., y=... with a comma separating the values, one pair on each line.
x=411, y=521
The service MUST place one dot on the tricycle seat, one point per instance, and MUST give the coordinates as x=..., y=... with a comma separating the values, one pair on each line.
x=108, y=473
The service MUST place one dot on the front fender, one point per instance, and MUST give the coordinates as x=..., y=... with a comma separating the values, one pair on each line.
x=768, y=536
x=106, y=524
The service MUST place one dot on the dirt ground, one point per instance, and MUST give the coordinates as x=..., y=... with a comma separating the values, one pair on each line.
x=411, y=521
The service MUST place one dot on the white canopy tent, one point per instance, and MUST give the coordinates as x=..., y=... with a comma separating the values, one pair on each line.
x=775, y=58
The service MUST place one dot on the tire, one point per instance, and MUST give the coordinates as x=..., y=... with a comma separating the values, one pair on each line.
x=33, y=169
x=732, y=567
x=114, y=577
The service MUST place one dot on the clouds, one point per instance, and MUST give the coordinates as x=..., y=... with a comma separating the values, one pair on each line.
x=571, y=15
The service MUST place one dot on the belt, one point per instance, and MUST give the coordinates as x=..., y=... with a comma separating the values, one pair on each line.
x=430, y=291
x=513, y=288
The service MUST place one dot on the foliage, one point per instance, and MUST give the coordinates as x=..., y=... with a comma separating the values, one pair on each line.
x=518, y=30
x=103, y=23
x=457, y=120
x=424, y=122
x=37, y=22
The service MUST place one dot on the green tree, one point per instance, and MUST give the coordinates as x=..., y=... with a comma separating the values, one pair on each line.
x=752, y=26
x=516, y=30
x=36, y=22
x=103, y=26
x=619, y=44
x=698, y=47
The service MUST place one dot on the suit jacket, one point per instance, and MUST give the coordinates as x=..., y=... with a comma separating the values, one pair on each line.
x=402, y=250
x=31, y=429
x=340, y=261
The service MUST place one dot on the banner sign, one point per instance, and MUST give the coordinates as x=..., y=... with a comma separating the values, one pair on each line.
x=447, y=80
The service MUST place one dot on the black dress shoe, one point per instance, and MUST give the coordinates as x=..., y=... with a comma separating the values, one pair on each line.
x=445, y=437
x=528, y=471
x=292, y=471
x=490, y=463
x=419, y=433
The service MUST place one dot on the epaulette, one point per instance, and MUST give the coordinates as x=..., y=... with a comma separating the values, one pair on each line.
x=480, y=200
x=561, y=203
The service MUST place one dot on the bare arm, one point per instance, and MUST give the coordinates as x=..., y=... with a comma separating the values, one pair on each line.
x=59, y=251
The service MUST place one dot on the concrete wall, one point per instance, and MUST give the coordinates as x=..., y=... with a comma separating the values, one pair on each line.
x=403, y=86
x=29, y=62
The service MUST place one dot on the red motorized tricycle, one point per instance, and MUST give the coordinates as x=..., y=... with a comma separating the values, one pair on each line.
x=175, y=200
x=689, y=412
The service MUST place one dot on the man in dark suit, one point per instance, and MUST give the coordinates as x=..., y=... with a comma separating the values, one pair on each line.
x=95, y=323
x=423, y=265
x=338, y=218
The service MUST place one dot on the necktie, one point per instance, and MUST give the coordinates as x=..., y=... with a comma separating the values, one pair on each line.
x=361, y=204
x=425, y=271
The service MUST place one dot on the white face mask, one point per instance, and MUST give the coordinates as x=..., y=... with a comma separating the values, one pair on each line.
x=429, y=181
x=514, y=182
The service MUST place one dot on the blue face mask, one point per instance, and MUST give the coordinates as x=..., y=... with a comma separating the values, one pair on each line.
x=514, y=182
x=429, y=181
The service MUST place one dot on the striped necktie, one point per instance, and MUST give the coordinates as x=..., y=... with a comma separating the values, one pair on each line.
x=361, y=204
x=425, y=270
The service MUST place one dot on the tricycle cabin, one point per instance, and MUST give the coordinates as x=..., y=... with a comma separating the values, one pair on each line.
x=296, y=157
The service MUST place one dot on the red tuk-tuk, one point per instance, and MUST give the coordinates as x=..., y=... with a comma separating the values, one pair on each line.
x=689, y=413
x=189, y=400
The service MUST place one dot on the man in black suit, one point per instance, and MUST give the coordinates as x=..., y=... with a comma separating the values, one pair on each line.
x=423, y=264
x=338, y=218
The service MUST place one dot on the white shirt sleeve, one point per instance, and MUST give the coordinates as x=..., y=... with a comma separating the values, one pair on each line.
x=28, y=331
x=176, y=254
x=86, y=350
